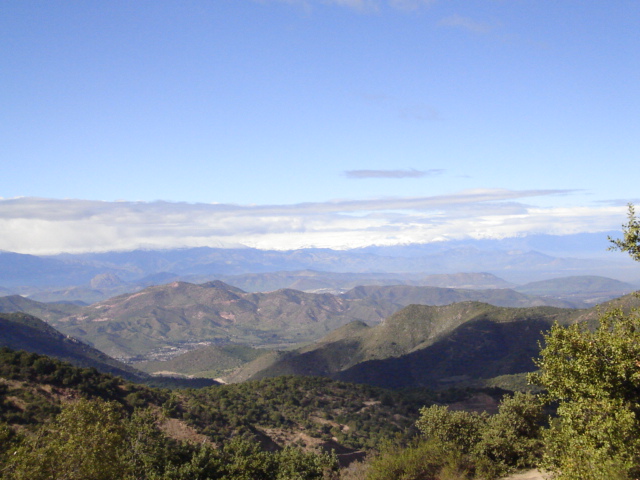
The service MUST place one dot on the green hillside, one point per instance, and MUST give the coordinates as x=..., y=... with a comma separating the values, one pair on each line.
x=427, y=346
x=21, y=331
x=403, y=295
x=212, y=361
x=178, y=313
x=590, y=289
x=181, y=316
x=313, y=413
x=46, y=311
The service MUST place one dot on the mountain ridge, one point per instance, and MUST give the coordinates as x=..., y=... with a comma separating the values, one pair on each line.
x=167, y=316
x=430, y=346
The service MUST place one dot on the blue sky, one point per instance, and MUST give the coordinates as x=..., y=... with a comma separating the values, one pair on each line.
x=331, y=123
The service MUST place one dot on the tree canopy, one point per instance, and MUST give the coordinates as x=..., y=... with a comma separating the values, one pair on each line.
x=630, y=241
x=594, y=378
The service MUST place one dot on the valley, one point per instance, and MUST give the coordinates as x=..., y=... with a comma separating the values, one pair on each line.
x=392, y=336
x=341, y=364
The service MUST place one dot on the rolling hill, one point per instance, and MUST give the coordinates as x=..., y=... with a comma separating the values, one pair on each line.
x=21, y=331
x=212, y=361
x=163, y=320
x=45, y=311
x=590, y=289
x=426, y=345
x=403, y=295
x=434, y=346
x=179, y=313
x=336, y=282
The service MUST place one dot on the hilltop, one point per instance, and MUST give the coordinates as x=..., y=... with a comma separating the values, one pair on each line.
x=165, y=320
x=21, y=331
x=435, y=346
x=180, y=312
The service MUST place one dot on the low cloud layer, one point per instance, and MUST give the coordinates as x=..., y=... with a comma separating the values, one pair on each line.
x=46, y=226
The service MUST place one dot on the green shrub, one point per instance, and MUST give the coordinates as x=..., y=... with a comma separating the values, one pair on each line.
x=459, y=428
x=421, y=460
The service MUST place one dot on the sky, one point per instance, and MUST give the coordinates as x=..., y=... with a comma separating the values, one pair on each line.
x=283, y=124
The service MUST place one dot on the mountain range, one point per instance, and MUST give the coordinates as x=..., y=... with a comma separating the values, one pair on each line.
x=467, y=343
x=21, y=331
x=518, y=260
x=388, y=336
x=163, y=320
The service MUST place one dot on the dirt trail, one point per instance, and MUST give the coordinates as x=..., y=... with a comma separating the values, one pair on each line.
x=529, y=475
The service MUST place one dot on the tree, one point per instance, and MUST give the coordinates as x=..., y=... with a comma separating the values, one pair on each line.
x=594, y=376
x=511, y=439
x=630, y=241
x=87, y=441
x=496, y=444
x=454, y=427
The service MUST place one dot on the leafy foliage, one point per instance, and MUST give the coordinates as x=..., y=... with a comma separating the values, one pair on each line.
x=459, y=428
x=595, y=378
x=421, y=459
x=512, y=438
x=493, y=445
x=630, y=242
x=358, y=416
x=31, y=370
x=97, y=440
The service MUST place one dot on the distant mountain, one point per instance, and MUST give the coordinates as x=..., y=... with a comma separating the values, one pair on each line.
x=212, y=361
x=426, y=259
x=105, y=286
x=45, y=311
x=78, y=295
x=165, y=320
x=180, y=312
x=588, y=288
x=101, y=287
x=6, y=291
x=403, y=295
x=432, y=346
x=312, y=280
x=18, y=269
x=519, y=260
x=92, y=277
x=464, y=280
x=335, y=282
x=21, y=331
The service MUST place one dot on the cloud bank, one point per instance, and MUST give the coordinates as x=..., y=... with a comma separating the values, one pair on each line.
x=47, y=226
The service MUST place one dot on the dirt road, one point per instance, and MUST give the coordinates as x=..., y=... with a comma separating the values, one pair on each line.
x=529, y=475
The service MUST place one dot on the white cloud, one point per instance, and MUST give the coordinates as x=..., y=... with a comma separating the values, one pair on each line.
x=466, y=23
x=360, y=5
x=410, y=4
x=411, y=173
x=43, y=226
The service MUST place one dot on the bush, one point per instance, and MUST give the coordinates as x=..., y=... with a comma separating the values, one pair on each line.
x=421, y=460
x=595, y=378
x=512, y=438
x=459, y=428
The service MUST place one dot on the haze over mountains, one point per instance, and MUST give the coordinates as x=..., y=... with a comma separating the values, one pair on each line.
x=455, y=343
x=93, y=277
x=467, y=343
x=543, y=256
x=206, y=309
x=179, y=314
